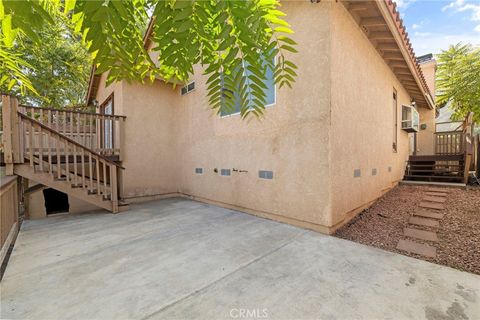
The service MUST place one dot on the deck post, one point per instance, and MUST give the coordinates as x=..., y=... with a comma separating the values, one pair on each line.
x=114, y=188
x=11, y=134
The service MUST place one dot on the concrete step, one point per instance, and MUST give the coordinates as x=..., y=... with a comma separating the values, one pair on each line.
x=428, y=214
x=432, y=189
x=436, y=194
x=417, y=248
x=435, y=199
x=420, y=234
x=431, y=205
x=424, y=222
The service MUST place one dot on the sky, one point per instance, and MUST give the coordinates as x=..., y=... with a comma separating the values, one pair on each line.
x=433, y=25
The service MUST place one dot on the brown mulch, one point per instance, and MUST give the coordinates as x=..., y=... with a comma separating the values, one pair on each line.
x=382, y=225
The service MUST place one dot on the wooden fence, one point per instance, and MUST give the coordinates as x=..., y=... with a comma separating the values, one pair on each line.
x=9, y=213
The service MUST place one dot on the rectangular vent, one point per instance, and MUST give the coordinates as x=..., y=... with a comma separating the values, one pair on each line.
x=356, y=173
x=188, y=88
x=225, y=172
x=264, y=174
x=374, y=172
x=199, y=170
x=389, y=169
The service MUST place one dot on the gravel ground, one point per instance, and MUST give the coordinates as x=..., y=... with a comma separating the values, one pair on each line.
x=382, y=225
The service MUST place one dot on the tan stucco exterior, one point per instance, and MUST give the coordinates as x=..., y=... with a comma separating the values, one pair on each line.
x=362, y=123
x=426, y=135
x=336, y=119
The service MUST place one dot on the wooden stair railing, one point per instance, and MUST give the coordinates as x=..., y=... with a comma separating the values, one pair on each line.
x=99, y=132
x=83, y=171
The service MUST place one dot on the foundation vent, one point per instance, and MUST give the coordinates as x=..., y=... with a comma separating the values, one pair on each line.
x=225, y=172
x=356, y=173
x=264, y=174
x=374, y=172
x=199, y=170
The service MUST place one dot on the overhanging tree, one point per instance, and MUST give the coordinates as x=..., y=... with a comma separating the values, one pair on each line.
x=458, y=80
x=231, y=39
x=58, y=67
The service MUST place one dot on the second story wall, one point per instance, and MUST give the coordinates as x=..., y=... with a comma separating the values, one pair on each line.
x=291, y=141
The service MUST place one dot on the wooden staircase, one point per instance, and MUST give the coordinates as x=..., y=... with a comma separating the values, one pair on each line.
x=452, y=160
x=36, y=148
x=436, y=168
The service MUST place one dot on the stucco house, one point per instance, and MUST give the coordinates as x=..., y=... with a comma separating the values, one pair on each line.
x=324, y=151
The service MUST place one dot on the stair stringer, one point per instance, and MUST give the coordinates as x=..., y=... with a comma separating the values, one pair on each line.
x=28, y=172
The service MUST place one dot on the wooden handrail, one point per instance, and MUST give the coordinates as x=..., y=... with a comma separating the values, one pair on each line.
x=72, y=111
x=69, y=140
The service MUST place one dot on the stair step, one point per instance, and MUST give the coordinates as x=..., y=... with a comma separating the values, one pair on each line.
x=417, y=248
x=433, y=177
x=434, y=165
x=454, y=157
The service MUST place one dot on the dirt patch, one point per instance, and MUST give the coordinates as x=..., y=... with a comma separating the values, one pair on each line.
x=382, y=225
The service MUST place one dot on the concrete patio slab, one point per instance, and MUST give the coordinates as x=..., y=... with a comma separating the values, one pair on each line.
x=177, y=258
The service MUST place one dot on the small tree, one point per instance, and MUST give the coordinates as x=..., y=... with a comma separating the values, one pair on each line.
x=458, y=80
x=231, y=39
x=58, y=68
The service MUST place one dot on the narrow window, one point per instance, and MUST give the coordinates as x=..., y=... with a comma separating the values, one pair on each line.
x=395, y=120
x=106, y=124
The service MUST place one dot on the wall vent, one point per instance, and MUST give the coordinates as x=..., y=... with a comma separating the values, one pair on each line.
x=374, y=172
x=389, y=169
x=225, y=172
x=199, y=170
x=356, y=173
x=264, y=174
x=188, y=88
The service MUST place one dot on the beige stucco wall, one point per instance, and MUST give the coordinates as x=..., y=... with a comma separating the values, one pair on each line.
x=362, y=123
x=148, y=145
x=426, y=137
x=291, y=140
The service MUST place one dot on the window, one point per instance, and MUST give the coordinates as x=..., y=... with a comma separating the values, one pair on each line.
x=269, y=93
x=188, y=88
x=395, y=121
